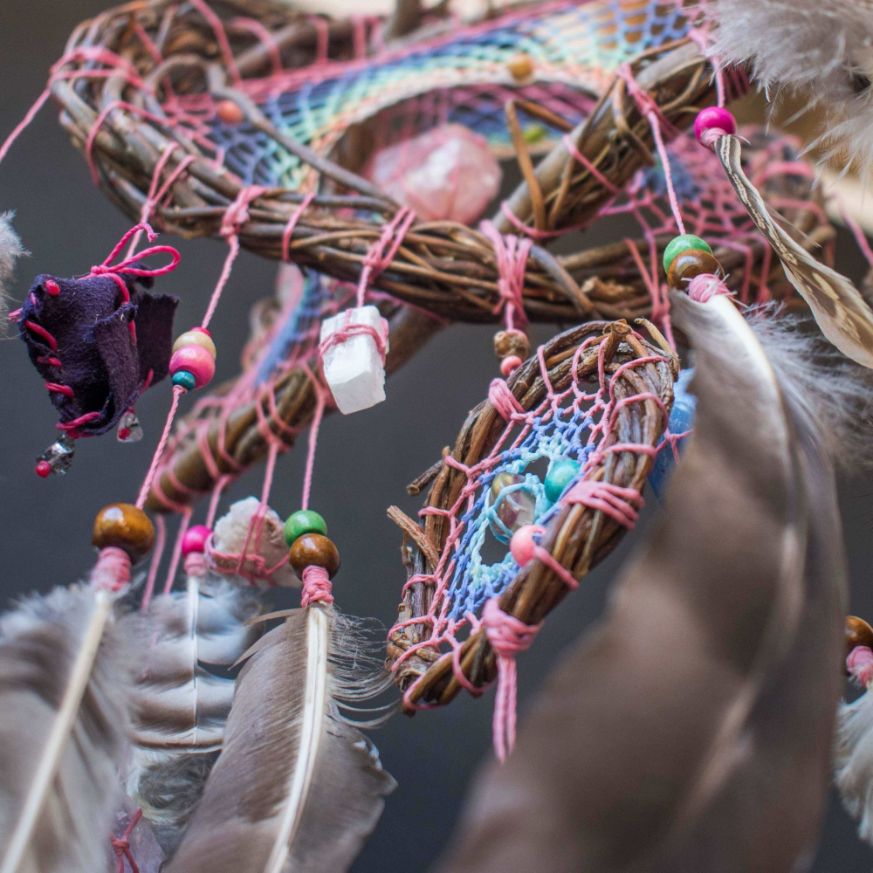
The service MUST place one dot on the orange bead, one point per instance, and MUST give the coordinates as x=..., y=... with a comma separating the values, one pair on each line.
x=858, y=633
x=124, y=526
x=687, y=265
x=520, y=67
x=314, y=549
x=229, y=111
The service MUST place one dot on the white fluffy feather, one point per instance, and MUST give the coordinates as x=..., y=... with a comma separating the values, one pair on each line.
x=822, y=48
x=11, y=250
x=853, y=761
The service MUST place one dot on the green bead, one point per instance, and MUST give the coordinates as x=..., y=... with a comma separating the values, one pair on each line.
x=682, y=243
x=185, y=380
x=304, y=521
x=561, y=472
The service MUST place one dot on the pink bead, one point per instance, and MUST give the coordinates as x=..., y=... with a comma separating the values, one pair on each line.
x=195, y=539
x=712, y=122
x=197, y=361
x=509, y=365
x=523, y=546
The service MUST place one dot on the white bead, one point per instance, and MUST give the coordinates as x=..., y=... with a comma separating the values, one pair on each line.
x=353, y=367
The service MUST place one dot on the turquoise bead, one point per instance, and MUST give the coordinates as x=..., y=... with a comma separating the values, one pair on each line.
x=682, y=243
x=561, y=472
x=185, y=380
x=304, y=521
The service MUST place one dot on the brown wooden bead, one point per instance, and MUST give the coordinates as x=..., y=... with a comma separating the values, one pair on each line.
x=229, y=111
x=124, y=526
x=314, y=549
x=688, y=264
x=858, y=633
x=511, y=342
x=520, y=67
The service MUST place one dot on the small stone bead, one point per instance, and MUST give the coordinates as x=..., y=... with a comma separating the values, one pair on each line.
x=521, y=67
x=688, y=264
x=561, y=472
x=304, y=521
x=523, y=546
x=858, y=633
x=229, y=111
x=124, y=526
x=314, y=549
x=197, y=336
x=713, y=120
x=195, y=539
x=184, y=379
x=195, y=360
x=682, y=243
x=511, y=342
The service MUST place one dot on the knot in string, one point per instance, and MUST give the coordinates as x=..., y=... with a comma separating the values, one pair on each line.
x=237, y=214
x=507, y=636
x=620, y=504
x=704, y=287
x=511, y=253
x=112, y=570
x=129, y=266
x=317, y=587
x=384, y=250
x=347, y=331
x=503, y=400
x=196, y=564
x=859, y=663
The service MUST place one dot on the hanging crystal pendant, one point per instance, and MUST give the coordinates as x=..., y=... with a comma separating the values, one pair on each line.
x=512, y=503
x=129, y=428
x=56, y=458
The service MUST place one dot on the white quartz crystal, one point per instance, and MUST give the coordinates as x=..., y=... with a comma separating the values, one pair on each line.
x=353, y=368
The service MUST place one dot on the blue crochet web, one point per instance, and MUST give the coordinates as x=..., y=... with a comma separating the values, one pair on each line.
x=550, y=435
x=464, y=78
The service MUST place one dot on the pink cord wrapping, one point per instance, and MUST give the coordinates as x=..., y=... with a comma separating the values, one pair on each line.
x=384, y=250
x=859, y=663
x=347, y=331
x=112, y=570
x=507, y=636
x=317, y=587
x=704, y=287
x=503, y=400
x=121, y=846
x=511, y=253
x=159, y=449
x=195, y=564
x=622, y=505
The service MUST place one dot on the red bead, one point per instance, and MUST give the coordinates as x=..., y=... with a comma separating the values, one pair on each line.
x=52, y=288
x=195, y=360
x=43, y=469
x=712, y=122
x=195, y=539
x=229, y=111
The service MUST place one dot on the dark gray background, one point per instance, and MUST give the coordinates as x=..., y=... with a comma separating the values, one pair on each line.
x=363, y=465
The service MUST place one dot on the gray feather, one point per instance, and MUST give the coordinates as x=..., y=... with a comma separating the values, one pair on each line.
x=692, y=729
x=39, y=644
x=297, y=787
x=179, y=706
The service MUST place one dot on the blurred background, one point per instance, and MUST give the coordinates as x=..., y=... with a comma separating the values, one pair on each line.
x=364, y=462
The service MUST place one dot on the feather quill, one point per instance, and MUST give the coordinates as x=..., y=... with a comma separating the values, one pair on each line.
x=297, y=786
x=691, y=730
x=63, y=684
x=841, y=312
x=179, y=704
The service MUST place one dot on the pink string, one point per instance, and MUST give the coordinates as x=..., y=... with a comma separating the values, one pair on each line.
x=317, y=587
x=508, y=636
x=121, y=846
x=384, y=250
x=178, y=391
x=622, y=505
x=346, y=331
x=195, y=564
x=24, y=123
x=112, y=570
x=293, y=221
x=503, y=400
x=155, y=563
x=655, y=124
x=312, y=444
x=859, y=663
x=511, y=253
x=704, y=287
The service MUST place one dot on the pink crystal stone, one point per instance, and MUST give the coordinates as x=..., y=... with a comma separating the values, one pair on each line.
x=447, y=173
x=195, y=539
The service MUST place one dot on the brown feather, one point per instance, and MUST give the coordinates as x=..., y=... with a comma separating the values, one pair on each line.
x=692, y=729
x=297, y=786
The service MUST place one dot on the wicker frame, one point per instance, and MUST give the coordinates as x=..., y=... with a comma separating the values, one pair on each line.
x=578, y=538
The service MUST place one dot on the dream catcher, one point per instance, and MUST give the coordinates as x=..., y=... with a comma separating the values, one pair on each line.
x=207, y=726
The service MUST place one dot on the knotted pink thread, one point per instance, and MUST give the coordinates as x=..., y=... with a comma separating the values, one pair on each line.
x=195, y=564
x=511, y=253
x=121, y=846
x=112, y=570
x=317, y=587
x=503, y=400
x=704, y=287
x=507, y=636
x=620, y=504
x=860, y=664
x=385, y=249
x=347, y=331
